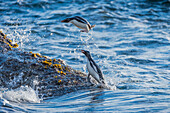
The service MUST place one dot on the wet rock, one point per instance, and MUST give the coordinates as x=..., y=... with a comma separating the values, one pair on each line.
x=19, y=68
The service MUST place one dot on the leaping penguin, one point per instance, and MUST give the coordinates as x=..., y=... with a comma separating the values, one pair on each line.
x=80, y=23
x=93, y=69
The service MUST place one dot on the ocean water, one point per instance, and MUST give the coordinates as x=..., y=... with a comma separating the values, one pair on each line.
x=130, y=43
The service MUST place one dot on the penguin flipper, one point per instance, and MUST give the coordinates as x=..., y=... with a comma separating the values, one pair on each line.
x=89, y=80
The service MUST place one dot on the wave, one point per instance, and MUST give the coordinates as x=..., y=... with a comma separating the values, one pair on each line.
x=20, y=95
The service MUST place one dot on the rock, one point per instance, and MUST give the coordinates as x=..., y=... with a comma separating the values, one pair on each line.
x=19, y=68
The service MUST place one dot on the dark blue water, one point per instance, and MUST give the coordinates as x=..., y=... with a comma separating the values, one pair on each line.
x=130, y=42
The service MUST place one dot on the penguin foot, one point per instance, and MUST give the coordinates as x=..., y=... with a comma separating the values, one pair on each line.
x=92, y=84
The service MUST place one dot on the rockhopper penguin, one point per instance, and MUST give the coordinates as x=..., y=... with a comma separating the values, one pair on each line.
x=80, y=23
x=93, y=69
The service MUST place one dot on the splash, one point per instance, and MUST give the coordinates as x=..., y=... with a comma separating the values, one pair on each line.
x=107, y=86
x=20, y=95
x=86, y=39
x=21, y=36
x=110, y=87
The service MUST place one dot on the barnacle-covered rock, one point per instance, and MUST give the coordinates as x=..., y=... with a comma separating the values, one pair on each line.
x=18, y=68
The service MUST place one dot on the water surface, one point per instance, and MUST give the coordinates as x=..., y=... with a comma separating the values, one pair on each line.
x=130, y=42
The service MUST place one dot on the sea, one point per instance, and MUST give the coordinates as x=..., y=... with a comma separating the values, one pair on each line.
x=130, y=42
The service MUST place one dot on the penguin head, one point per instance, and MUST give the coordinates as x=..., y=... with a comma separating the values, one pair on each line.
x=86, y=53
x=67, y=20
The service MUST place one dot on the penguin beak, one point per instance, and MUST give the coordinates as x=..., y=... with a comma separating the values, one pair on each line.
x=66, y=20
x=83, y=51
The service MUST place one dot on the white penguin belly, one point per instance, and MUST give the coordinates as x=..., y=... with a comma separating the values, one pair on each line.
x=79, y=24
x=92, y=71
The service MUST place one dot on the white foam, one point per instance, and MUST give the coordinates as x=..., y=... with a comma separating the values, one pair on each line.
x=22, y=94
x=109, y=87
